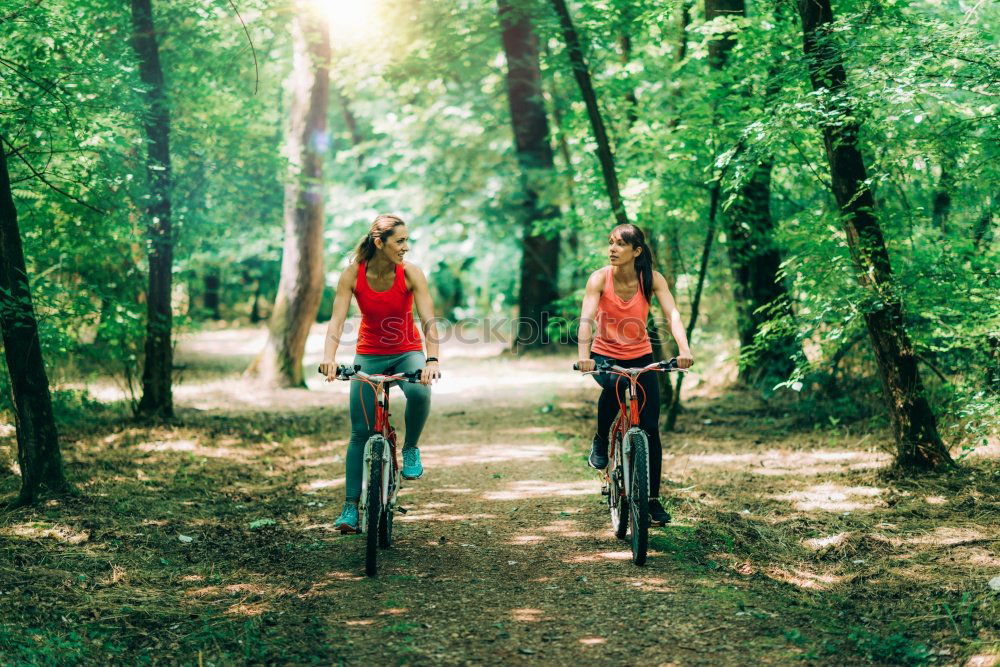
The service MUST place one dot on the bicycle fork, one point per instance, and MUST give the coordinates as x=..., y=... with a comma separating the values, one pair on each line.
x=640, y=436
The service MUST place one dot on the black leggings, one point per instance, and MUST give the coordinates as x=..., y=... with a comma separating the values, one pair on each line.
x=649, y=417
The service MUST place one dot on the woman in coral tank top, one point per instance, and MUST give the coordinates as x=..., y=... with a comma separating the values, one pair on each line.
x=616, y=303
x=386, y=288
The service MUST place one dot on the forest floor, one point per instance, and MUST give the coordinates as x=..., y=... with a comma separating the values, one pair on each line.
x=209, y=541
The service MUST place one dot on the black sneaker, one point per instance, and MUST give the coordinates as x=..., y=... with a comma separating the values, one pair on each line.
x=657, y=515
x=598, y=454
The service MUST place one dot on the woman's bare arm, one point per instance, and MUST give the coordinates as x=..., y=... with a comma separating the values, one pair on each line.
x=588, y=316
x=425, y=310
x=335, y=329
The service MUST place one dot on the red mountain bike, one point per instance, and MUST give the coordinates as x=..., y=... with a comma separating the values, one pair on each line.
x=380, y=475
x=626, y=479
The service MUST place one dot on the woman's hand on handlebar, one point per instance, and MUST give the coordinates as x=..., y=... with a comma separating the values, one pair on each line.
x=684, y=359
x=431, y=372
x=329, y=369
x=585, y=365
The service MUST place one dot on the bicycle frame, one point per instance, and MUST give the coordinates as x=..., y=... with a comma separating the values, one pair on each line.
x=380, y=384
x=628, y=412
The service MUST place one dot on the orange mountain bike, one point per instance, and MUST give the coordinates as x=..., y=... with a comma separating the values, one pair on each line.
x=380, y=475
x=626, y=479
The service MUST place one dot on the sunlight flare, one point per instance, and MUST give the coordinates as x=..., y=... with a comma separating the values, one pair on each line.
x=351, y=21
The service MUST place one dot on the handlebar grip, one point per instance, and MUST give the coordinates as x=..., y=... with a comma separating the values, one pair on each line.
x=340, y=367
x=576, y=366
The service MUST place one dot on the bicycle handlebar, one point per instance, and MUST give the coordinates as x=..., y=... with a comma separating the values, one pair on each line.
x=346, y=372
x=605, y=366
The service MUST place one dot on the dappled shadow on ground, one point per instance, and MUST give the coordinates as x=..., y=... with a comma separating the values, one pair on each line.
x=213, y=537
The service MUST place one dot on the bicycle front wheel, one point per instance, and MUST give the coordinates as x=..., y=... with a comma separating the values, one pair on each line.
x=617, y=498
x=639, y=497
x=374, y=510
x=385, y=529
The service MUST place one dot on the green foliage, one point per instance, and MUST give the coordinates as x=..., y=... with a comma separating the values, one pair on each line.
x=895, y=649
x=420, y=126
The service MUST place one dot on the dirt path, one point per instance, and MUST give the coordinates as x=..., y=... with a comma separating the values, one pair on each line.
x=211, y=539
x=507, y=558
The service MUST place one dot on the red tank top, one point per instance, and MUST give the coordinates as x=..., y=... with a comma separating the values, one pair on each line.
x=387, y=325
x=621, y=325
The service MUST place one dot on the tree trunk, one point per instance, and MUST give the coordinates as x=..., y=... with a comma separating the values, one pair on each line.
x=706, y=254
x=300, y=288
x=759, y=293
x=357, y=137
x=941, y=204
x=37, y=439
x=582, y=75
x=157, y=396
x=255, y=304
x=211, y=295
x=631, y=101
x=680, y=54
x=719, y=49
x=683, y=19
x=993, y=362
x=663, y=347
x=540, y=257
x=572, y=235
x=983, y=229
x=915, y=428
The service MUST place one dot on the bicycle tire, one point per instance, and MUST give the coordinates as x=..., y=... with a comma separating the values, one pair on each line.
x=385, y=529
x=374, y=510
x=617, y=500
x=639, y=500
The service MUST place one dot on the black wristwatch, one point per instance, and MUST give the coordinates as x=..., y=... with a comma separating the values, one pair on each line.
x=430, y=359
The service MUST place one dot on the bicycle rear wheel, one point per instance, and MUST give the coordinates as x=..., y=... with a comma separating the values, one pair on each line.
x=374, y=510
x=639, y=496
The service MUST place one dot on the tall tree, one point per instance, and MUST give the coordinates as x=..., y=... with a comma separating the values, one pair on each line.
x=356, y=136
x=572, y=235
x=301, y=286
x=213, y=283
x=982, y=233
x=754, y=257
x=157, y=395
x=663, y=347
x=941, y=203
x=605, y=156
x=918, y=444
x=540, y=257
x=38, y=453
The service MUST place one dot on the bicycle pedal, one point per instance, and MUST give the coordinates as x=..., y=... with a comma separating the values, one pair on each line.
x=605, y=490
x=402, y=510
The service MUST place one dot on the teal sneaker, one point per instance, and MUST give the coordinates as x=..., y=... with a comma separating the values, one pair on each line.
x=347, y=522
x=412, y=468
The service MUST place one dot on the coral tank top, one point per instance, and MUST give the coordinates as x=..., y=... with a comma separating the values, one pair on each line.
x=387, y=325
x=621, y=325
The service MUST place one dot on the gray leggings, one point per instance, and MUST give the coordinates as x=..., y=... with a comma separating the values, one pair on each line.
x=418, y=406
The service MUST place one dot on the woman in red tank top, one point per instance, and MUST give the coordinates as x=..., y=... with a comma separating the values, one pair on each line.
x=386, y=289
x=616, y=303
